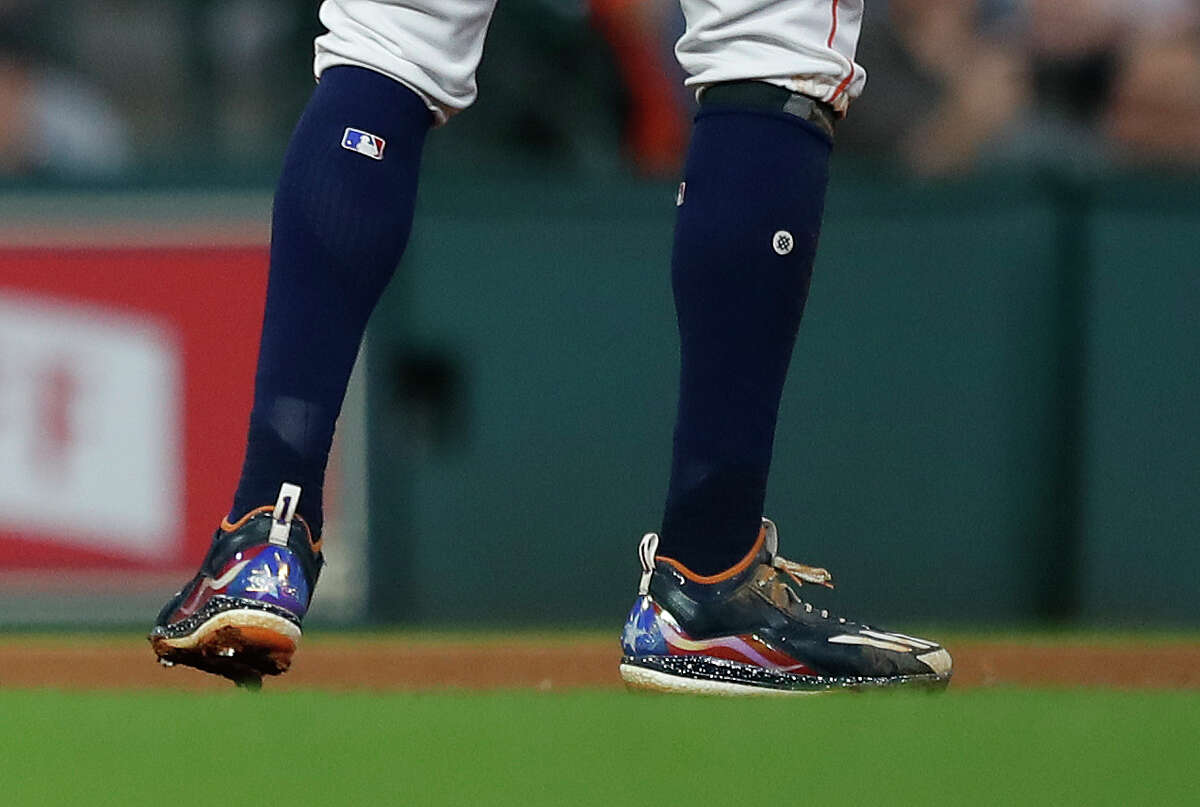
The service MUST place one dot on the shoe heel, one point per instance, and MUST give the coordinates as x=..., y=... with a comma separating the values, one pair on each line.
x=273, y=575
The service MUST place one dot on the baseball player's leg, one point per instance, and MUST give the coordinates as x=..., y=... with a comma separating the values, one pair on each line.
x=719, y=610
x=343, y=209
x=770, y=77
x=387, y=69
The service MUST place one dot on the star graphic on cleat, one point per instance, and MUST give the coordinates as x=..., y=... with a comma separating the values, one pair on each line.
x=630, y=635
x=264, y=581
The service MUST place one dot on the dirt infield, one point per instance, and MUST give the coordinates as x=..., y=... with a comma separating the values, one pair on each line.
x=407, y=664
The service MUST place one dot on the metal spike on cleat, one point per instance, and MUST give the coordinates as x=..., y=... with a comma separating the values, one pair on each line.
x=249, y=681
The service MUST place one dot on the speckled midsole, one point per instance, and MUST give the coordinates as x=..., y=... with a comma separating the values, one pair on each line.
x=216, y=606
x=673, y=673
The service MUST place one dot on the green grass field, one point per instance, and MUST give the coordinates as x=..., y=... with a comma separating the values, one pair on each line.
x=590, y=748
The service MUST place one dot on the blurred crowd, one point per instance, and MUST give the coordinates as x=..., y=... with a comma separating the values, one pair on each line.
x=1070, y=84
x=103, y=88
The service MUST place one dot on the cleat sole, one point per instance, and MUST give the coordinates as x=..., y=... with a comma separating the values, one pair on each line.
x=642, y=679
x=240, y=644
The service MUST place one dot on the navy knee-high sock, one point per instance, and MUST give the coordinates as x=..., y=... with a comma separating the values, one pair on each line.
x=745, y=236
x=340, y=224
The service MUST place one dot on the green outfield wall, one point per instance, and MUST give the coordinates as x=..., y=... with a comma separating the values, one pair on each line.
x=991, y=414
x=1140, y=502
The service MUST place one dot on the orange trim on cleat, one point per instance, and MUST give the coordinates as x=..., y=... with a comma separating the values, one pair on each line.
x=730, y=573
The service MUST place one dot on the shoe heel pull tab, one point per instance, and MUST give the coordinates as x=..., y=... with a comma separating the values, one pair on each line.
x=647, y=549
x=285, y=510
x=772, y=536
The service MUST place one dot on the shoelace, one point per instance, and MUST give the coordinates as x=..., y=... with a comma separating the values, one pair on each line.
x=803, y=574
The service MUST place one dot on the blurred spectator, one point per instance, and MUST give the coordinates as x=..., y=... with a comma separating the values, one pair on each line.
x=641, y=34
x=258, y=73
x=549, y=98
x=938, y=92
x=1072, y=49
x=1068, y=84
x=52, y=121
x=1155, y=112
x=1112, y=80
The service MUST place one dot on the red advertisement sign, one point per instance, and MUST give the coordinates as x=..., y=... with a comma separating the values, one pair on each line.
x=125, y=387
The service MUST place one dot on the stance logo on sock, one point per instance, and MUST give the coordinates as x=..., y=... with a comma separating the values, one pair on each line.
x=365, y=143
x=782, y=242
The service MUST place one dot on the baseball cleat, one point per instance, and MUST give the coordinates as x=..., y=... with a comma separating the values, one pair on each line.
x=750, y=631
x=240, y=616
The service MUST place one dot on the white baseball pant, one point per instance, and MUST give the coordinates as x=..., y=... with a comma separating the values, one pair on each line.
x=434, y=46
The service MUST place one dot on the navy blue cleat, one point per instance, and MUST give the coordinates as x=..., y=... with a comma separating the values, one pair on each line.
x=240, y=616
x=752, y=631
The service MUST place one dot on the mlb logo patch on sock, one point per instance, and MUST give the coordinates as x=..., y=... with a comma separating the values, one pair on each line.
x=364, y=143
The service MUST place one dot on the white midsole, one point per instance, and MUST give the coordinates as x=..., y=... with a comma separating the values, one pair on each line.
x=656, y=681
x=238, y=618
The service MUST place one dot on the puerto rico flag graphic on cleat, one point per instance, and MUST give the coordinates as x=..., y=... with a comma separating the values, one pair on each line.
x=751, y=631
x=240, y=616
